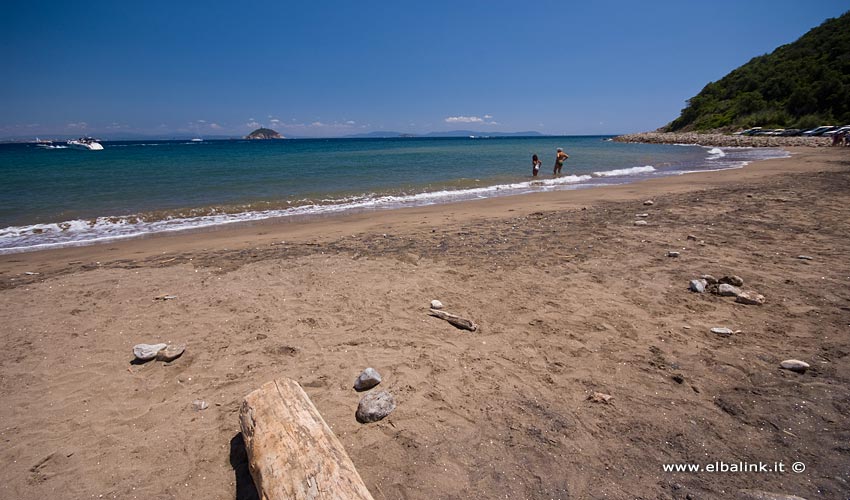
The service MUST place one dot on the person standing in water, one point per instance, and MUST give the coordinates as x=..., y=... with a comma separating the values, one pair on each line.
x=535, y=165
x=560, y=158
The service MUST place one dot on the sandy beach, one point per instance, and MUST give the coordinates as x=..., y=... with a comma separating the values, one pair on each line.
x=572, y=298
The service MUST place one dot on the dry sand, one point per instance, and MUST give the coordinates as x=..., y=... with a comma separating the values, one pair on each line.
x=571, y=296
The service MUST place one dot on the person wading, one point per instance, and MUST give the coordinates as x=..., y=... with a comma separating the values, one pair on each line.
x=560, y=158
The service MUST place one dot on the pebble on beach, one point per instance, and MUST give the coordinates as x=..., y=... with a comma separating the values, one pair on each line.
x=649, y=203
x=719, y=330
x=672, y=254
x=750, y=297
x=170, y=353
x=200, y=404
x=375, y=406
x=640, y=222
x=367, y=379
x=436, y=304
x=697, y=286
x=600, y=397
x=747, y=494
x=145, y=352
x=727, y=290
x=732, y=280
x=795, y=365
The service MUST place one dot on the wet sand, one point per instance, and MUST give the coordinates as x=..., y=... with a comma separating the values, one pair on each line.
x=571, y=297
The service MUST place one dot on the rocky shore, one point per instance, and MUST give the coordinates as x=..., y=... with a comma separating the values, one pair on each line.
x=723, y=140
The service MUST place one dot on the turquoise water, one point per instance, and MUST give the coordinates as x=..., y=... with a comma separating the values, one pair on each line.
x=53, y=197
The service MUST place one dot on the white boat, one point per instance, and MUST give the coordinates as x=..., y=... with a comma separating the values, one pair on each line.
x=196, y=139
x=86, y=143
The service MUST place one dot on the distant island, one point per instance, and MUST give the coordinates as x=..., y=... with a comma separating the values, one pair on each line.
x=450, y=133
x=264, y=133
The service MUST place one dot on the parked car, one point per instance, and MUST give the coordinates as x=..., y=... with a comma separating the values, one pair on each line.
x=839, y=130
x=791, y=131
x=752, y=131
x=818, y=131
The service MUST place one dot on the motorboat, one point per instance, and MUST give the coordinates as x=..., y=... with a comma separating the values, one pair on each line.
x=86, y=143
x=196, y=139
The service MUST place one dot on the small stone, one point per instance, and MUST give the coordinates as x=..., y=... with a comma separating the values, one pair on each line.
x=709, y=279
x=165, y=297
x=436, y=304
x=375, y=406
x=805, y=257
x=721, y=330
x=649, y=203
x=145, y=352
x=170, y=353
x=732, y=280
x=727, y=290
x=795, y=365
x=600, y=397
x=766, y=495
x=368, y=379
x=641, y=215
x=750, y=298
x=640, y=223
x=697, y=286
x=672, y=254
x=692, y=237
x=199, y=404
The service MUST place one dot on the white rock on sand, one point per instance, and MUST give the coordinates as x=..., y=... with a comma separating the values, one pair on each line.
x=375, y=406
x=367, y=379
x=795, y=365
x=145, y=352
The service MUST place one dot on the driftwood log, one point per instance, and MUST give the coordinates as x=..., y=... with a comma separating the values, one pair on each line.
x=292, y=453
x=454, y=319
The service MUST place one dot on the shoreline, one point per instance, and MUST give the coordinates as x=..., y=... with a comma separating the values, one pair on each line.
x=572, y=298
x=107, y=230
x=318, y=226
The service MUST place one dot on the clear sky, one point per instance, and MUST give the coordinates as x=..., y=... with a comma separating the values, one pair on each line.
x=331, y=68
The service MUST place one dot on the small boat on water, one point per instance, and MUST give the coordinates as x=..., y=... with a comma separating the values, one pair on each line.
x=196, y=139
x=86, y=143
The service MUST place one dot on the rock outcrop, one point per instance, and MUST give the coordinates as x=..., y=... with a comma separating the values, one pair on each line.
x=264, y=133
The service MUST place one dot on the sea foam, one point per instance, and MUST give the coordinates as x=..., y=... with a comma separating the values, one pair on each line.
x=715, y=153
x=625, y=171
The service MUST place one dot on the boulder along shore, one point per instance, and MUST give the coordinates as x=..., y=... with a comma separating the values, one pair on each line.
x=723, y=140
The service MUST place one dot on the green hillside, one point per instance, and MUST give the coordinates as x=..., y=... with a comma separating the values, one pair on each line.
x=800, y=85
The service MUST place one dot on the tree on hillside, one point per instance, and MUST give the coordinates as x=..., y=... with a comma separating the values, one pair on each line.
x=802, y=84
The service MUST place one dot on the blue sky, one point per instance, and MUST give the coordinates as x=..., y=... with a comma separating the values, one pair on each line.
x=331, y=68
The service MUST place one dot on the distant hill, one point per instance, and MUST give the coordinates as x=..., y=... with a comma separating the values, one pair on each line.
x=378, y=134
x=800, y=85
x=264, y=133
x=467, y=133
x=450, y=133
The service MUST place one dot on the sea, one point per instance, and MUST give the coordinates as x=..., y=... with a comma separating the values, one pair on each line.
x=52, y=196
